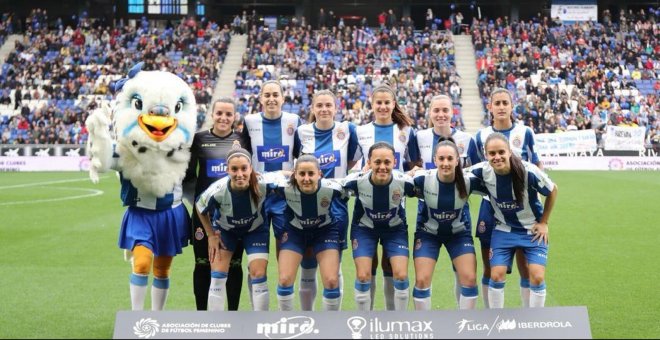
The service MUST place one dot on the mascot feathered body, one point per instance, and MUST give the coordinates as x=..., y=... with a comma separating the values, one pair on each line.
x=154, y=122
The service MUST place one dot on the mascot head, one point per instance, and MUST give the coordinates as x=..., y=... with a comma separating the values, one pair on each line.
x=156, y=109
x=155, y=119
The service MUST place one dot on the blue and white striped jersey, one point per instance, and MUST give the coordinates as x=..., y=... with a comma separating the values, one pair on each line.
x=132, y=197
x=236, y=209
x=521, y=140
x=270, y=140
x=403, y=141
x=379, y=206
x=440, y=207
x=427, y=139
x=311, y=211
x=334, y=148
x=508, y=213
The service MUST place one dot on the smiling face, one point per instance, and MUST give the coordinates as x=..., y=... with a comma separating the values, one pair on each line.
x=324, y=109
x=381, y=163
x=498, y=155
x=501, y=108
x=307, y=176
x=446, y=160
x=271, y=100
x=383, y=106
x=223, y=118
x=239, y=170
x=440, y=112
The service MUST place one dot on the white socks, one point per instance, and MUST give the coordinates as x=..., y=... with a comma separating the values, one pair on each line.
x=159, y=289
x=138, y=288
x=524, y=292
x=484, y=291
x=307, y=288
x=260, y=296
x=285, y=298
x=217, y=294
x=422, y=298
x=331, y=299
x=388, y=290
x=537, y=296
x=496, y=294
x=363, y=296
x=401, y=294
x=468, y=298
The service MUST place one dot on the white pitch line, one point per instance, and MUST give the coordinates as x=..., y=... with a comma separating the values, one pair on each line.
x=45, y=183
x=91, y=193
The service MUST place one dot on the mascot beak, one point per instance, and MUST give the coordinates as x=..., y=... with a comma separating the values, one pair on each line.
x=158, y=124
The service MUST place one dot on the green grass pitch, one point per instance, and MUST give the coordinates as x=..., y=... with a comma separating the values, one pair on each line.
x=63, y=276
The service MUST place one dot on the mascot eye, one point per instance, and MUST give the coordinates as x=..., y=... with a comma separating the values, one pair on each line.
x=178, y=107
x=137, y=103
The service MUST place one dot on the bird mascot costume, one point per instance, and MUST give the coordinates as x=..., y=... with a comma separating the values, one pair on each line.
x=147, y=140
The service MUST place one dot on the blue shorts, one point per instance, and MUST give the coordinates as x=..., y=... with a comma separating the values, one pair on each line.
x=342, y=222
x=485, y=224
x=255, y=242
x=274, y=207
x=365, y=240
x=319, y=239
x=504, y=245
x=165, y=232
x=428, y=245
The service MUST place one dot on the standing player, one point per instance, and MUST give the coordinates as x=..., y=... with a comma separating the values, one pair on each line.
x=313, y=216
x=236, y=204
x=209, y=151
x=513, y=186
x=521, y=140
x=439, y=119
x=393, y=126
x=379, y=215
x=335, y=146
x=441, y=221
x=269, y=135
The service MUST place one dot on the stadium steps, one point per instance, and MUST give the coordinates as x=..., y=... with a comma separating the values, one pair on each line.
x=8, y=46
x=472, y=108
x=225, y=84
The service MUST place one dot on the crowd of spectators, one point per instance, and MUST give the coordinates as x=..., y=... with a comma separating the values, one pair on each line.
x=575, y=76
x=351, y=61
x=57, y=75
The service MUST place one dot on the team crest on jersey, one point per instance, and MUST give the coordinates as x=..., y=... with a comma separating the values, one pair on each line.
x=199, y=234
x=517, y=142
x=396, y=195
x=482, y=227
x=325, y=202
x=341, y=134
x=418, y=243
x=402, y=137
x=290, y=130
x=285, y=237
x=461, y=148
x=355, y=244
x=236, y=145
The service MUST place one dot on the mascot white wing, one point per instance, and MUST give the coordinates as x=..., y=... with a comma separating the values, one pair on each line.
x=155, y=120
x=99, y=142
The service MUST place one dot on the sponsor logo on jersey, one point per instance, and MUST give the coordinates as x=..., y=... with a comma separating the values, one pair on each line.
x=328, y=160
x=273, y=154
x=216, y=168
x=380, y=216
x=242, y=222
x=444, y=216
x=311, y=222
x=508, y=206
